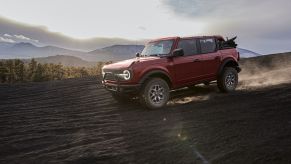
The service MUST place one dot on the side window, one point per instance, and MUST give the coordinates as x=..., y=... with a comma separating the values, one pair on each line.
x=207, y=45
x=189, y=46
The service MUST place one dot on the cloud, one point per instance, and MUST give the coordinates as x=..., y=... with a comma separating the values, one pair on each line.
x=21, y=37
x=6, y=40
x=257, y=23
x=41, y=35
x=7, y=35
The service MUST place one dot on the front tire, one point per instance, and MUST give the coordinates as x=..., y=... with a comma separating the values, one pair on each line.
x=228, y=80
x=155, y=93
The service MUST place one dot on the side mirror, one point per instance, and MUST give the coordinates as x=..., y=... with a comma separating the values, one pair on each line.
x=178, y=52
x=137, y=54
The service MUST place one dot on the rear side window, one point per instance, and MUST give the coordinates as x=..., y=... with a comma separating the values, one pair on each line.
x=207, y=45
x=189, y=46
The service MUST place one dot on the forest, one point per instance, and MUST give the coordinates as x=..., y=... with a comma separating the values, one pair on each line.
x=17, y=71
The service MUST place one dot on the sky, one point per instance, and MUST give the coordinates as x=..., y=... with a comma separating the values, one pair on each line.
x=261, y=26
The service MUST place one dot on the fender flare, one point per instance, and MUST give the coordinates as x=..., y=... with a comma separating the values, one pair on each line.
x=225, y=62
x=157, y=71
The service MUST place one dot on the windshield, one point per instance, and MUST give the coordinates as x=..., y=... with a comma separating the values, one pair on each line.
x=157, y=48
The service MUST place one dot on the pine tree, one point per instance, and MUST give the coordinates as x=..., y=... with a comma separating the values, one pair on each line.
x=3, y=72
x=31, y=69
x=38, y=76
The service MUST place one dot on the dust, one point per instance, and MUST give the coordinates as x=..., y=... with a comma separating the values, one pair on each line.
x=258, y=72
x=186, y=100
x=265, y=71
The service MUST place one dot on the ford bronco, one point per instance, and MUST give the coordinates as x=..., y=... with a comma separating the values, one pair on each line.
x=170, y=63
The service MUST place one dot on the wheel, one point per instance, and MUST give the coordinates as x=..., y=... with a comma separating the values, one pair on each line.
x=155, y=93
x=121, y=98
x=228, y=80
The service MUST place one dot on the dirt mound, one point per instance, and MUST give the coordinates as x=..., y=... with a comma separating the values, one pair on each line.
x=77, y=121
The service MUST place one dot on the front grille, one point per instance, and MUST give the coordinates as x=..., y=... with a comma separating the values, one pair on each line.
x=109, y=76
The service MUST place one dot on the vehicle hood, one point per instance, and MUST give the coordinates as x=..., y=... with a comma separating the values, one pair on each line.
x=128, y=63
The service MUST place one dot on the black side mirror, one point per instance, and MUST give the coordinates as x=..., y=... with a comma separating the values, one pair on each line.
x=137, y=54
x=178, y=52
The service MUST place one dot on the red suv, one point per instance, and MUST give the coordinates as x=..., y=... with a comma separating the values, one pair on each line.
x=170, y=63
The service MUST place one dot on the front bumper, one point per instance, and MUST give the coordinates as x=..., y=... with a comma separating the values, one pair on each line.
x=121, y=88
x=117, y=86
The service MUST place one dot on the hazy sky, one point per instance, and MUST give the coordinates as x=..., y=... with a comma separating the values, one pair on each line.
x=262, y=26
x=133, y=19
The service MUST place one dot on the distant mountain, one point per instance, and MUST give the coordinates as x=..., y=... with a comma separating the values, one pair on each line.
x=244, y=53
x=65, y=60
x=117, y=52
x=27, y=50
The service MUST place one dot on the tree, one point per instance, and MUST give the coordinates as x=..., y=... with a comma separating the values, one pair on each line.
x=19, y=70
x=3, y=72
x=31, y=69
x=38, y=76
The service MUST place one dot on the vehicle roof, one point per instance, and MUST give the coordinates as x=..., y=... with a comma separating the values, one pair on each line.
x=177, y=37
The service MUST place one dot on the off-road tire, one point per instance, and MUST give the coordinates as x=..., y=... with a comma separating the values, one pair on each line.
x=155, y=93
x=227, y=80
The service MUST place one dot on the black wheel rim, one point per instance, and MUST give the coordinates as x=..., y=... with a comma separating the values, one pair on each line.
x=230, y=80
x=156, y=94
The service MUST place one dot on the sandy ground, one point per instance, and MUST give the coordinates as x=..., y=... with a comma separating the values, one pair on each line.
x=77, y=121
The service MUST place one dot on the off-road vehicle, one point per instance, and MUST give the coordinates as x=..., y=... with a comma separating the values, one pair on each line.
x=170, y=63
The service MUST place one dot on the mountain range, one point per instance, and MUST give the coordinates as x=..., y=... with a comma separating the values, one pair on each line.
x=24, y=50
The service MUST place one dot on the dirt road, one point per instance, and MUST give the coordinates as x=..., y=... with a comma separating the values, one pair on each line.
x=76, y=121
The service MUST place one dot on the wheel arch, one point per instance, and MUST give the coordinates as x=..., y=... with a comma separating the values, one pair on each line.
x=156, y=73
x=229, y=62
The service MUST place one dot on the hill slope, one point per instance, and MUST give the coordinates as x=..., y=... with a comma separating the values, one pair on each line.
x=244, y=53
x=117, y=52
x=66, y=61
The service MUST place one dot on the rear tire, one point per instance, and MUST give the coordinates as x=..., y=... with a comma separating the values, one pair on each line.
x=228, y=80
x=155, y=93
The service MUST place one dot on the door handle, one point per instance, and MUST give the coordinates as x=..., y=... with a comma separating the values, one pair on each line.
x=217, y=57
x=196, y=60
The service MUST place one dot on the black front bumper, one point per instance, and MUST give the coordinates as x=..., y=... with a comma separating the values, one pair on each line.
x=113, y=84
x=121, y=88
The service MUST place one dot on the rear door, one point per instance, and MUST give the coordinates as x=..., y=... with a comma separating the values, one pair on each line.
x=188, y=67
x=210, y=57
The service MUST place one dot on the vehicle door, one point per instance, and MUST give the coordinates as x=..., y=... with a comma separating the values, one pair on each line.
x=188, y=68
x=210, y=57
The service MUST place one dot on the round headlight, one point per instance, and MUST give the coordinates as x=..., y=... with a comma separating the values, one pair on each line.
x=126, y=74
